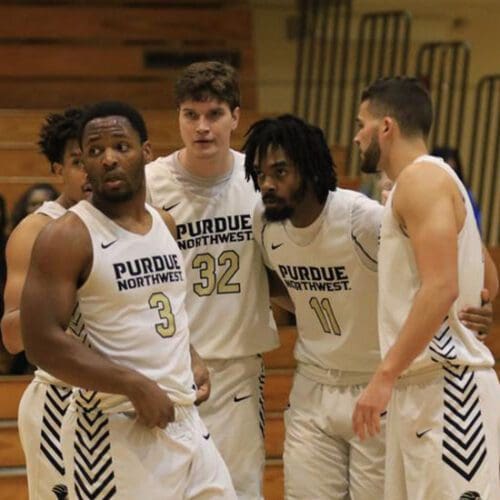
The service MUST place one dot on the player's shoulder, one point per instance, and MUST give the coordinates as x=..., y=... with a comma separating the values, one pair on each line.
x=160, y=166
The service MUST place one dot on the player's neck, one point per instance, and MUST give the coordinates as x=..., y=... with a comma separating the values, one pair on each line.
x=215, y=166
x=403, y=155
x=131, y=214
x=307, y=211
x=65, y=201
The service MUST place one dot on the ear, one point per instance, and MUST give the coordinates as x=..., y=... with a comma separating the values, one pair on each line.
x=147, y=152
x=387, y=126
x=236, y=117
x=57, y=168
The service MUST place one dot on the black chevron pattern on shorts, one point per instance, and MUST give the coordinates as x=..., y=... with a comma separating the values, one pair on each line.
x=56, y=403
x=464, y=439
x=93, y=466
x=442, y=345
x=262, y=414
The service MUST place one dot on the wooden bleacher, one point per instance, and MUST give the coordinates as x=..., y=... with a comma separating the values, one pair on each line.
x=120, y=49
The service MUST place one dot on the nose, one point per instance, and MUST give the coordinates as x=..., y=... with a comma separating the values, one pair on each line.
x=202, y=126
x=356, y=139
x=266, y=184
x=109, y=158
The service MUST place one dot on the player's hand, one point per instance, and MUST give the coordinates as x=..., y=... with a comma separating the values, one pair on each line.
x=479, y=319
x=372, y=403
x=201, y=377
x=152, y=405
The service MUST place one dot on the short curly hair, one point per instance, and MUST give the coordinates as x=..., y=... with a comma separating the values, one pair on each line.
x=201, y=81
x=56, y=131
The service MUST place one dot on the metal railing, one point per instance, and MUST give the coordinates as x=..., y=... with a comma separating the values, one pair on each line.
x=444, y=68
x=322, y=59
x=484, y=157
x=383, y=46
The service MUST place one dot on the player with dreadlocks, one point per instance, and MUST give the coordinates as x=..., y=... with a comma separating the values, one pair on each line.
x=45, y=400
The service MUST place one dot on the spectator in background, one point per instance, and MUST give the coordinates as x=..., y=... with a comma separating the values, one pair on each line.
x=452, y=157
x=30, y=200
x=27, y=203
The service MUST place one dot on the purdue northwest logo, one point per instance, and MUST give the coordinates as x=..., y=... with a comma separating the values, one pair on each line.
x=147, y=271
x=215, y=231
x=312, y=278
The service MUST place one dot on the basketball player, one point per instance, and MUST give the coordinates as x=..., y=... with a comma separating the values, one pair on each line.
x=133, y=431
x=45, y=400
x=444, y=409
x=322, y=242
x=203, y=187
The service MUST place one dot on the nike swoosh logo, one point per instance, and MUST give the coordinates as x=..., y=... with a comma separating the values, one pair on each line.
x=167, y=209
x=420, y=434
x=274, y=247
x=206, y=436
x=237, y=399
x=107, y=245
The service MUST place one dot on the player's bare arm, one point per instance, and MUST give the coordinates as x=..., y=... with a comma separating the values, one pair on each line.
x=201, y=376
x=278, y=292
x=431, y=211
x=61, y=260
x=18, y=255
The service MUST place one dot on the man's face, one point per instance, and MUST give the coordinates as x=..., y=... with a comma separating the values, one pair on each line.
x=367, y=139
x=280, y=184
x=206, y=127
x=76, y=184
x=114, y=158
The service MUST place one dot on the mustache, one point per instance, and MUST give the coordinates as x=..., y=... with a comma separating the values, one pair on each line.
x=271, y=198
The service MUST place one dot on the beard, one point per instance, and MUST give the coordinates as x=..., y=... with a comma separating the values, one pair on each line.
x=371, y=157
x=283, y=210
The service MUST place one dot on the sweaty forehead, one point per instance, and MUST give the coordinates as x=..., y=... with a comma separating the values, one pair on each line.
x=114, y=125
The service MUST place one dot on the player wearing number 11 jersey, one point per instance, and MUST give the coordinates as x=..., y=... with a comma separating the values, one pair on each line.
x=203, y=187
x=322, y=244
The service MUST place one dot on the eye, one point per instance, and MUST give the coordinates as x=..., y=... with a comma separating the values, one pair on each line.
x=281, y=171
x=259, y=175
x=93, y=151
x=215, y=114
x=190, y=115
x=123, y=147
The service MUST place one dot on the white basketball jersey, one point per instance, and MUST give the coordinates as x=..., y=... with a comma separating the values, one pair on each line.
x=54, y=210
x=133, y=305
x=228, y=297
x=399, y=282
x=329, y=269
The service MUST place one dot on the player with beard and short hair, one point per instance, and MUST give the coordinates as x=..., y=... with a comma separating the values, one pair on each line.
x=436, y=378
x=322, y=243
x=132, y=431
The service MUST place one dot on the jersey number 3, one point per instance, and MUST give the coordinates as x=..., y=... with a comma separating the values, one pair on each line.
x=161, y=302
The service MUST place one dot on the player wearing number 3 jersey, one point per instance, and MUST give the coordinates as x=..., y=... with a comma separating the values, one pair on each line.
x=203, y=187
x=132, y=430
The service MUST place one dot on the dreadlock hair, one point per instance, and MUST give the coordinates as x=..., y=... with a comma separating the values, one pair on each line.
x=56, y=131
x=303, y=144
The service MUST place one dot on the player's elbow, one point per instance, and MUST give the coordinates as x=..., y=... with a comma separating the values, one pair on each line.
x=11, y=337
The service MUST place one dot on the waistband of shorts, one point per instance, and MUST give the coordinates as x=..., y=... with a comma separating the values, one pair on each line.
x=331, y=376
x=43, y=377
x=181, y=412
x=430, y=374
